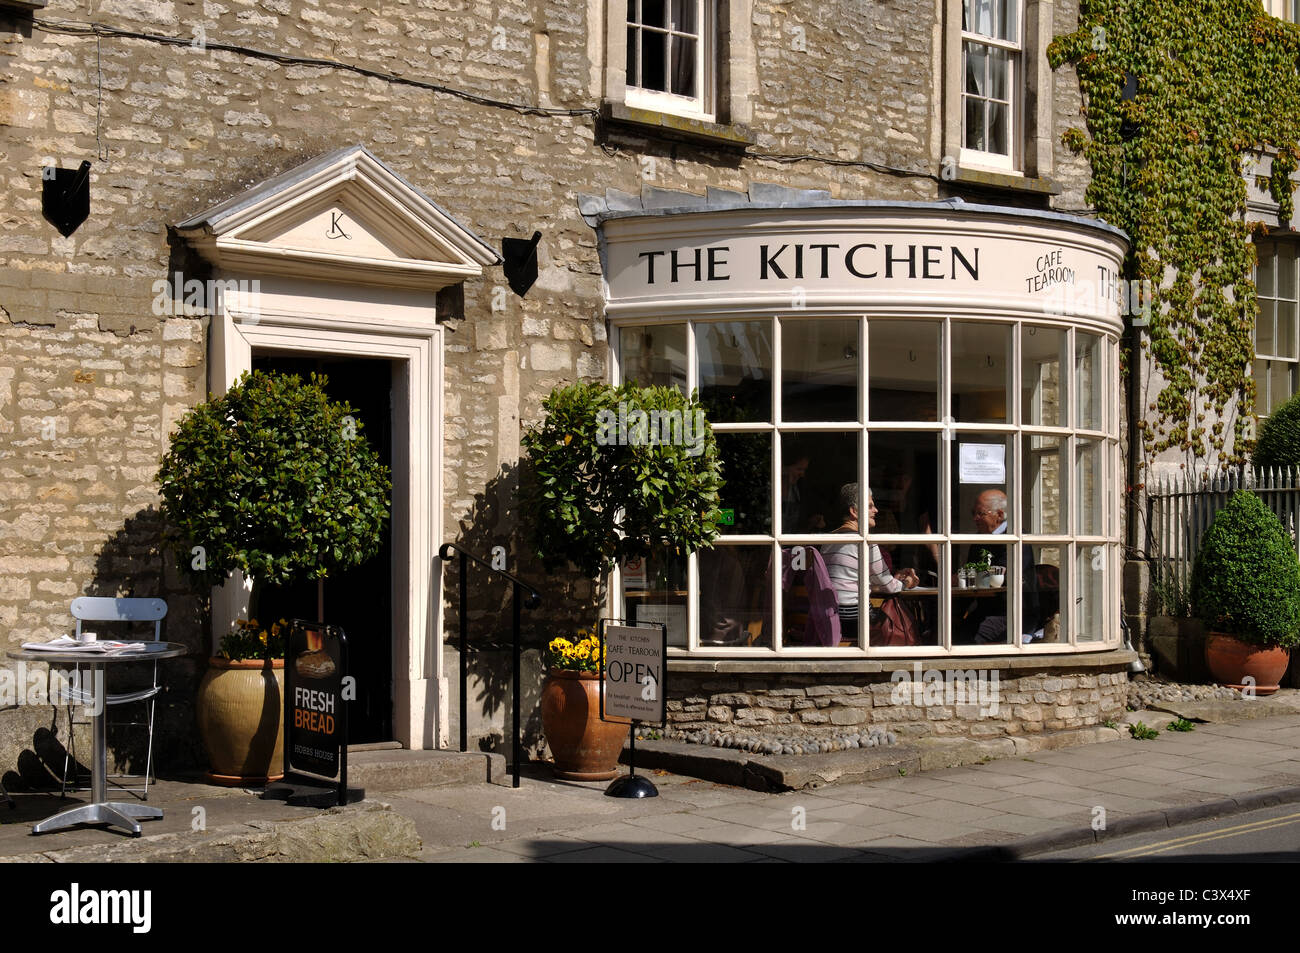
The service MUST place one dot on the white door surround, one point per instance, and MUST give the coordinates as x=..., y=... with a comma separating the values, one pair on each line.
x=343, y=257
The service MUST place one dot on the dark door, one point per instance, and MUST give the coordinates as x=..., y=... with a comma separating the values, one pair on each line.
x=360, y=599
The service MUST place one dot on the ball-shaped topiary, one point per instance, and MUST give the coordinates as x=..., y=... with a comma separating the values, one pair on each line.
x=618, y=472
x=1246, y=580
x=274, y=479
x=1278, y=444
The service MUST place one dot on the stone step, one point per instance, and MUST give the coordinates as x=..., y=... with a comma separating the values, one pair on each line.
x=399, y=769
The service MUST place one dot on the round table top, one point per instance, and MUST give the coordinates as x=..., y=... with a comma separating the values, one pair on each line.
x=151, y=653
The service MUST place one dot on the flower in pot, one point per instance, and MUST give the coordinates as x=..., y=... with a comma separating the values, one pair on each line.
x=1246, y=589
x=584, y=747
x=979, y=570
x=275, y=480
x=247, y=741
x=613, y=473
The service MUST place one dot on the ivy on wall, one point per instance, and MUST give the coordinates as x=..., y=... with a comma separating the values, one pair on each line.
x=1216, y=81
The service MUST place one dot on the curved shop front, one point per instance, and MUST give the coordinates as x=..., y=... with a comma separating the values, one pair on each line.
x=901, y=392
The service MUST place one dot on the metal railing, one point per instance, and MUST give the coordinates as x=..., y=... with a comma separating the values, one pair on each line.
x=1181, y=508
x=445, y=553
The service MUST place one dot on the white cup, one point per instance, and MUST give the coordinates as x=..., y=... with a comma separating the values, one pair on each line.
x=86, y=636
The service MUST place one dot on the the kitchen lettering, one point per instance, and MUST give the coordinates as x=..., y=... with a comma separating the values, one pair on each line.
x=313, y=710
x=804, y=260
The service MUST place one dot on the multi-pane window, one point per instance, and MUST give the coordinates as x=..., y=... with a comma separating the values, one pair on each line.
x=1276, y=352
x=991, y=68
x=669, y=55
x=860, y=451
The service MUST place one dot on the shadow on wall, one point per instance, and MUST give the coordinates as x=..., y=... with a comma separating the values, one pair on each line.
x=568, y=602
x=132, y=563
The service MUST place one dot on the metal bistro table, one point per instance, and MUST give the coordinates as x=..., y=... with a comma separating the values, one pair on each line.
x=101, y=810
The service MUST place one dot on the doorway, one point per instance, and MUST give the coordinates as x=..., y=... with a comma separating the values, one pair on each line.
x=358, y=600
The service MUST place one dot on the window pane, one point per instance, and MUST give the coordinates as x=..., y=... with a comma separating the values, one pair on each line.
x=735, y=595
x=1088, y=379
x=1264, y=337
x=903, y=616
x=633, y=35
x=1286, y=329
x=1286, y=263
x=819, y=362
x=815, y=467
x=810, y=610
x=976, y=69
x=735, y=365
x=903, y=370
x=654, y=590
x=980, y=494
x=684, y=15
x=1041, y=351
x=1089, y=489
x=979, y=372
x=979, y=596
x=654, y=357
x=1090, y=580
x=683, y=66
x=1265, y=271
x=975, y=135
x=1282, y=384
x=653, y=56
x=999, y=132
x=1261, y=387
x=747, y=482
x=1042, y=482
x=999, y=68
x=904, y=484
x=652, y=13
x=1052, y=627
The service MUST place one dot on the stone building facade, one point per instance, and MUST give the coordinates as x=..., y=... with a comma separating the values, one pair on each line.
x=501, y=114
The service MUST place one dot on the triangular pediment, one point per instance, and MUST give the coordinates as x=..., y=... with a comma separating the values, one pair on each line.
x=345, y=216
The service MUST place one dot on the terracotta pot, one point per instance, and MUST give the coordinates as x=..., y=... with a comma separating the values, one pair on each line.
x=240, y=710
x=584, y=747
x=1231, y=661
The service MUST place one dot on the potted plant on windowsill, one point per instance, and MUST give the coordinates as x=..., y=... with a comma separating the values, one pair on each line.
x=608, y=481
x=1246, y=589
x=275, y=480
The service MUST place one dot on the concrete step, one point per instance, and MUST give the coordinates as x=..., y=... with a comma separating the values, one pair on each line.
x=399, y=769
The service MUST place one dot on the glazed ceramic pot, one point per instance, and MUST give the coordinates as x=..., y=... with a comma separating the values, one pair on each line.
x=240, y=710
x=584, y=747
x=1232, y=661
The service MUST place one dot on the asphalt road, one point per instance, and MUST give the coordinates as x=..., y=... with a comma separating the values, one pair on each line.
x=1269, y=835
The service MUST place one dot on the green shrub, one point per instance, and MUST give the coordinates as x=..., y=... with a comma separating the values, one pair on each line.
x=274, y=479
x=1246, y=580
x=1278, y=444
x=601, y=485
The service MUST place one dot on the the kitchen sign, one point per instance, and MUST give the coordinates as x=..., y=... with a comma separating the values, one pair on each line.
x=632, y=681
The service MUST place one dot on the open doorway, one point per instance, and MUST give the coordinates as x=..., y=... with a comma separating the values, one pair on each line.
x=359, y=600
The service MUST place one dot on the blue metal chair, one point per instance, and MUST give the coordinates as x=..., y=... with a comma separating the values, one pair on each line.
x=105, y=609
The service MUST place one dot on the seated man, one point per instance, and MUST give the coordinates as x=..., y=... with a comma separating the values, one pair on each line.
x=984, y=620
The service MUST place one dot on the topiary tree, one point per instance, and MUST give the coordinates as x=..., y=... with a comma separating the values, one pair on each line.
x=1279, y=438
x=617, y=472
x=1246, y=579
x=274, y=479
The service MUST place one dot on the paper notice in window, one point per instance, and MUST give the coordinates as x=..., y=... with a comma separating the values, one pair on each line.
x=982, y=463
x=634, y=573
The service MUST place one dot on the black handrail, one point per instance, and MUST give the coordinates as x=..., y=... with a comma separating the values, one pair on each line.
x=534, y=600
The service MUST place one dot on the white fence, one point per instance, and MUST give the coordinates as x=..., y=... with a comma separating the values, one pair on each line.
x=1180, y=509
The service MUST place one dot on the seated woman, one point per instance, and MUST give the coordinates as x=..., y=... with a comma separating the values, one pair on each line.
x=842, y=563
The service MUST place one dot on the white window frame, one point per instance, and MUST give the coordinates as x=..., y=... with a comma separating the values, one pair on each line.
x=1072, y=544
x=1282, y=253
x=702, y=106
x=1012, y=161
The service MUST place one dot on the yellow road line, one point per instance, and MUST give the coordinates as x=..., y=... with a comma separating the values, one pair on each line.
x=1205, y=837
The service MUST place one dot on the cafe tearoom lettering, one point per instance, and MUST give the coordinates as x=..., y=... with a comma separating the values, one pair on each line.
x=809, y=260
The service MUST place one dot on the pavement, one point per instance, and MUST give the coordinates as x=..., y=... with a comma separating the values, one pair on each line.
x=997, y=809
